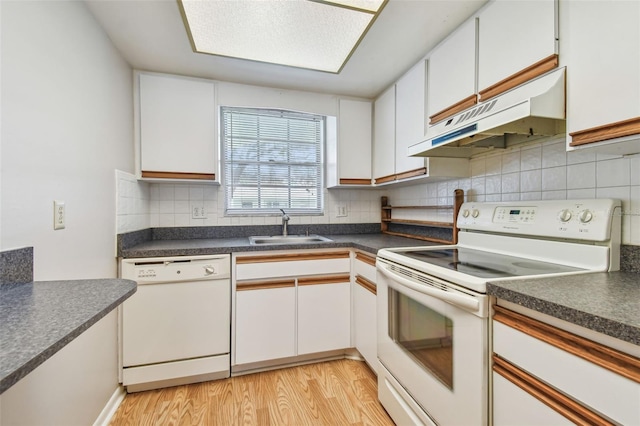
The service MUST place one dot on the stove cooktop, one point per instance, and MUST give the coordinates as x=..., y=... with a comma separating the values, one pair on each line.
x=483, y=264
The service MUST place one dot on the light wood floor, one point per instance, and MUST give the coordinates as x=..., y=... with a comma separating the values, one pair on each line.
x=342, y=392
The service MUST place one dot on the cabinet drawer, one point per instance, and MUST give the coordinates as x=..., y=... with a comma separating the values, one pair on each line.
x=605, y=380
x=365, y=265
x=291, y=265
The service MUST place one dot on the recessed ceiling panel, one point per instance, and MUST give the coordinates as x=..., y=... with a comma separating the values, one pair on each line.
x=297, y=33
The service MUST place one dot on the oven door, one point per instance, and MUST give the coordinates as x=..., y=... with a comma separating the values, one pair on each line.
x=432, y=342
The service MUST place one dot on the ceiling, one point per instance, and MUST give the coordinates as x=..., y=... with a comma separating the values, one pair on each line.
x=151, y=36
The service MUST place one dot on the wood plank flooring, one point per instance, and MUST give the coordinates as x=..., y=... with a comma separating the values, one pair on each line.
x=341, y=392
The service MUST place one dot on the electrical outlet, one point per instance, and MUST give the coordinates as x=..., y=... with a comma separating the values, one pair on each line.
x=59, y=215
x=341, y=210
x=198, y=212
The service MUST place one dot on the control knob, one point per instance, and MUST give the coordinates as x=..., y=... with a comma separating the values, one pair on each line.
x=585, y=216
x=465, y=213
x=564, y=215
x=475, y=213
x=209, y=270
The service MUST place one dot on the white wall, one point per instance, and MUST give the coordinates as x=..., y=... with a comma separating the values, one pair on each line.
x=66, y=126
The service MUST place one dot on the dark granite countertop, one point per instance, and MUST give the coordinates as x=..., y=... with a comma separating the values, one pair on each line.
x=606, y=302
x=38, y=319
x=193, y=247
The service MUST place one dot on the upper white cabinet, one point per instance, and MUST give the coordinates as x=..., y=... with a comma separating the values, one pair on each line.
x=410, y=117
x=601, y=43
x=516, y=42
x=384, y=136
x=452, y=73
x=176, y=128
x=349, y=157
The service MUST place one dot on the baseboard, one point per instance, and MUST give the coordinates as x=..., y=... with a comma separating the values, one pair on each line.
x=112, y=406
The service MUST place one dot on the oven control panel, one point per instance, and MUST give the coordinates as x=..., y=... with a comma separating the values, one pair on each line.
x=576, y=219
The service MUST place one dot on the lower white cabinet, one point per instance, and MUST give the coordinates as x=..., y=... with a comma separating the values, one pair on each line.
x=516, y=407
x=545, y=375
x=264, y=323
x=364, y=309
x=290, y=304
x=323, y=315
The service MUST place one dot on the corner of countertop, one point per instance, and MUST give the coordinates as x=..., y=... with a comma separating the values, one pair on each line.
x=16, y=266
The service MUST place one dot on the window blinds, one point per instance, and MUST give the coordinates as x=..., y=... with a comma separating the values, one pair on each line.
x=272, y=160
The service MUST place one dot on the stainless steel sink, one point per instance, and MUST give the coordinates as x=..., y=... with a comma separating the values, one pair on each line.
x=289, y=239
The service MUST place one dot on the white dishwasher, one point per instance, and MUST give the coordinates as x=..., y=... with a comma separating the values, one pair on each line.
x=176, y=328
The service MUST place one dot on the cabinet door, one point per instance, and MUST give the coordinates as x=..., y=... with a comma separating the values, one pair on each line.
x=265, y=320
x=354, y=142
x=603, y=68
x=452, y=73
x=513, y=35
x=324, y=306
x=512, y=406
x=410, y=117
x=177, y=124
x=384, y=136
x=364, y=320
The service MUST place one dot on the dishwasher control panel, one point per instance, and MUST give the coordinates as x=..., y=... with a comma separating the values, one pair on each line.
x=174, y=269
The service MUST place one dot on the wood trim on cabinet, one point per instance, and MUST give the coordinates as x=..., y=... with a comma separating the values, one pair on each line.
x=371, y=260
x=559, y=402
x=178, y=175
x=467, y=102
x=385, y=179
x=291, y=256
x=411, y=173
x=615, y=361
x=514, y=80
x=264, y=285
x=324, y=279
x=366, y=284
x=354, y=181
x=606, y=132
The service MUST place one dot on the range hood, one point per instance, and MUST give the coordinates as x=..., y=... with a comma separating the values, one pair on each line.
x=524, y=113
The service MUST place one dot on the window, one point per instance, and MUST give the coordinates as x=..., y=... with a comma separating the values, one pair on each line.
x=272, y=161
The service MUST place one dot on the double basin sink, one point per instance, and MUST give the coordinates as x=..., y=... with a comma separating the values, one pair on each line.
x=289, y=239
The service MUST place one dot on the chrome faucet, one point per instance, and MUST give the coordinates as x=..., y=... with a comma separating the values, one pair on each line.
x=285, y=222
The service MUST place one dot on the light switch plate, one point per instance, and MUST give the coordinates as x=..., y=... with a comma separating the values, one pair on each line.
x=341, y=210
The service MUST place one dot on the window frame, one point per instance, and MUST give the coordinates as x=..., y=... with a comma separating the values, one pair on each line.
x=226, y=173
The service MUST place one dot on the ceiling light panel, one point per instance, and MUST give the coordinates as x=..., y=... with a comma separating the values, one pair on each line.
x=298, y=33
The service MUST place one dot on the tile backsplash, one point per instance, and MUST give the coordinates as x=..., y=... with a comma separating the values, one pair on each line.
x=541, y=171
x=535, y=171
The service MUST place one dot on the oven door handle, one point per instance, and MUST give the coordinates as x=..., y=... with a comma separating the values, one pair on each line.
x=469, y=303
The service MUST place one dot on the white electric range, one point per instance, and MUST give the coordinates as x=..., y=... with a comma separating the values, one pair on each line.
x=433, y=308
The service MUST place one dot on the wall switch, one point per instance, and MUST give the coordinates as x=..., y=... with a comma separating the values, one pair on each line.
x=198, y=212
x=58, y=215
x=341, y=210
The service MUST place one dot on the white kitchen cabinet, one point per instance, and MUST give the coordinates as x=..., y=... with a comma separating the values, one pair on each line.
x=289, y=304
x=410, y=117
x=265, y=317
x=452, y=73
x=349, y=162
x=516, y=407
x=176, y=131
x=573, y=376
x=324, y=314
x=513, y=36
x=364, y=309
x=601, y=42
x=384, y=136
